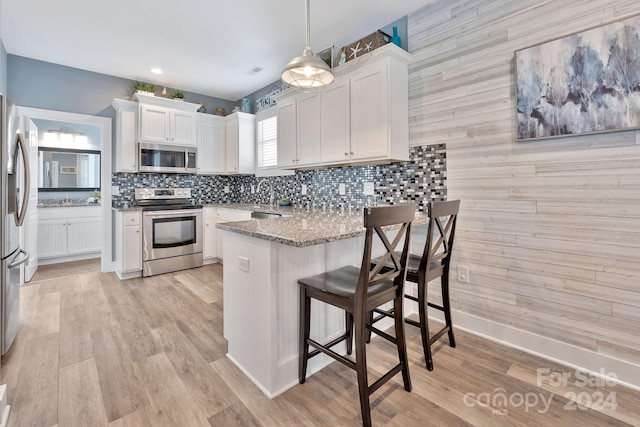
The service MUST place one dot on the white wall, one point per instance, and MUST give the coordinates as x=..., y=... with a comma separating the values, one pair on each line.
x=550, y=230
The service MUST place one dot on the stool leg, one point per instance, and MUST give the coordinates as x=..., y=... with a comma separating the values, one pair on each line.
x=446, y=305
x=303, y=334
x=370, y=323
x=424, y=321
x=361, y=366
x=348, y=321
x=398, y=314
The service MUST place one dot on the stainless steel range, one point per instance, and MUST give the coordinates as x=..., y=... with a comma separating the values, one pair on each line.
x=171, y=230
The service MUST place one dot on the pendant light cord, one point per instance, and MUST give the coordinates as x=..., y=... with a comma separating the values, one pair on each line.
x=306, y=8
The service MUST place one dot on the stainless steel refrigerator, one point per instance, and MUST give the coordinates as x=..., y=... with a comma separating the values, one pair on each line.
x=14, y=189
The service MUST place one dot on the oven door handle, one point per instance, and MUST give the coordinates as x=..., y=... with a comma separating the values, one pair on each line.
x=171, y=214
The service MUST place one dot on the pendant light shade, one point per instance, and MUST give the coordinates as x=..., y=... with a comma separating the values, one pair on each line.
x=307, y=73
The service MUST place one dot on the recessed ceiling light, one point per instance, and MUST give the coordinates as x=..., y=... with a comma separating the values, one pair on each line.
x=156, y=70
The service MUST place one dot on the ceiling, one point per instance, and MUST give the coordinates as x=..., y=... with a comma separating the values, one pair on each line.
x=202, y=46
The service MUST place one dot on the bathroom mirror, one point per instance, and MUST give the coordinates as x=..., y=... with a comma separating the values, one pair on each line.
x=69, y=170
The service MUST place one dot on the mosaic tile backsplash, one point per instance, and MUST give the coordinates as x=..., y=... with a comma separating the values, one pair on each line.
x=420, y=180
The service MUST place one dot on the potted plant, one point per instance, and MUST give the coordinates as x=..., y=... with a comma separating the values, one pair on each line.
x=144, y=88
x=178, y=95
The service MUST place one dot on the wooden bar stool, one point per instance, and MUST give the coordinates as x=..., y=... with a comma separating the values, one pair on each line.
x=434, y=262
x=358, y=291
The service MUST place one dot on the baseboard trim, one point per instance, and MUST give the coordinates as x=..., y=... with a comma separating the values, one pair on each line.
x=628, y=374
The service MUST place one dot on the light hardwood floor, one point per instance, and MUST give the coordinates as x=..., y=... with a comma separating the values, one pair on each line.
x=96, y=351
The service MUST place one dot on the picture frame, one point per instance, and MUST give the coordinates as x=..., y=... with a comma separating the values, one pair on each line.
x=68, y=170
x=584, y=83
x=326, y=55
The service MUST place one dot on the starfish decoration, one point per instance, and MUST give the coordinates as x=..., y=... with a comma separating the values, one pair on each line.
x=367, y=47
x=355, y=50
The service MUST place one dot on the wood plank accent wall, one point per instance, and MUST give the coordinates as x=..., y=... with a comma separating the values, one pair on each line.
x=550, y=229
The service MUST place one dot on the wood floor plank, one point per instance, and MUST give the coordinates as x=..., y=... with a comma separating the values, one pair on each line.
x=198, y=288
x=171, y=401
x=75, y=338
x=121, y=389
x=80, y=398
x=235, y=415
x=46, y=319
x=35, y=398
x=139, y=418
x=209, y=391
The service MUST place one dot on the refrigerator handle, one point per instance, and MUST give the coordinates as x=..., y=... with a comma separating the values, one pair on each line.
x=21, y=214
x=24, y=259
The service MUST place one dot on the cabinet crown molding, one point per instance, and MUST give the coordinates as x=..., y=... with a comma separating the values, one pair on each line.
x=159, y=101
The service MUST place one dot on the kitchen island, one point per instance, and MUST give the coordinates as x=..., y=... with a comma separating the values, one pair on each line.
x=263, y=260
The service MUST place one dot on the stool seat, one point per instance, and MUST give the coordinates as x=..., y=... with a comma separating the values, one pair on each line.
x=358, y=291
x=421, y=269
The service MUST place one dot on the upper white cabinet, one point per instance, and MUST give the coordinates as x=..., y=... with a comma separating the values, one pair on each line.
x=211, y=141
x=363, y=117
x=166, y=120
x=335, y=122
x=241, y=139
x=126, y=135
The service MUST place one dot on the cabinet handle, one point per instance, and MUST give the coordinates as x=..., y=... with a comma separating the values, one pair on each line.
x=352, y=153
x=346, y=154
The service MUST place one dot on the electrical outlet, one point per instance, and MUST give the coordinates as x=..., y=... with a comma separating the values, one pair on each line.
x=115, y=190
x=226, y=188
x=253, y=189
x=463, y=274
x=368, y=189
x=303, y=190
x=342, y=189
x=242, y=188
x=243, y=263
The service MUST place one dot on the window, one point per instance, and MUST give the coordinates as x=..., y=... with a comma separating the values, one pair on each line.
x=267, y=142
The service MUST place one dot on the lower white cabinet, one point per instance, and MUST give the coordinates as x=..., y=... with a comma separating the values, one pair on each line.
x=228, y=215
x=69, y=233
x=128, y=244
x=209, y=241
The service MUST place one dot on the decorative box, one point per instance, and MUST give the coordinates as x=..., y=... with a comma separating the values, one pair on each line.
x=364, y=45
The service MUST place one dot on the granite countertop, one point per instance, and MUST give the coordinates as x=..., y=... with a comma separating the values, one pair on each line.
x=67, y=205
x=303, y=228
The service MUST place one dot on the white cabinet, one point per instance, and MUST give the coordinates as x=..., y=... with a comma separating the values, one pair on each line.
x=209, y=241
x=335, y=122
x=299, y=131
x=166, y=120
x=363, y=117
x=128, y=243
x=69, y=234
x=211, y=140
x=241, y=139
x=126, y=135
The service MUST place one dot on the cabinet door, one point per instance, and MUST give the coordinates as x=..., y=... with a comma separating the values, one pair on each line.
x=52, y=238
x=154, y=124
x=287, y=153
x=211, y=143
x=335, y=122
x=84, y=235
x=210, y=243
x=126, y=139
x=131, y=248
x=308, y=129
x=183, y=128
x=232, y=146
x=369, y=112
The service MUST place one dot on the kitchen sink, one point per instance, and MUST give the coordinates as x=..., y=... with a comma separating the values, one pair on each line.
x=268, y=215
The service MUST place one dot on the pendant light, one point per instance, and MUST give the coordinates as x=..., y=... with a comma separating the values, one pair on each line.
x=307, y=73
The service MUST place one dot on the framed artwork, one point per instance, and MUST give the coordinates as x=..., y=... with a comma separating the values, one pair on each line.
x=327, y=56
x=68, y=170
x=585, y=83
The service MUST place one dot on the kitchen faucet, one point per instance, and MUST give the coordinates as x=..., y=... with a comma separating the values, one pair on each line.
x=270, y=189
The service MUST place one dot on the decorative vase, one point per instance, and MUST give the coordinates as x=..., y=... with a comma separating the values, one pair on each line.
x=395, y=39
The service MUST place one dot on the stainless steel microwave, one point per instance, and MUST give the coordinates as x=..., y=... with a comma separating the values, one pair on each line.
x=166, y=158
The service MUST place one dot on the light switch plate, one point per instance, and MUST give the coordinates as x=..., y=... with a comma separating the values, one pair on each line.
x=368, y=189
x=115, y=190
x=242, y=188
x=253, y=188
x=243, y=263
x=226, y=188
x=303, y=190
x=342, y=189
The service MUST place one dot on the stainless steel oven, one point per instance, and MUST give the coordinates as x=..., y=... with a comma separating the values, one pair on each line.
x=171, y=230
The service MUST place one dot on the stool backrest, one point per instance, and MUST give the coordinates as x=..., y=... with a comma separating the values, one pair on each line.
x=437, y=254
x=374, y=221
